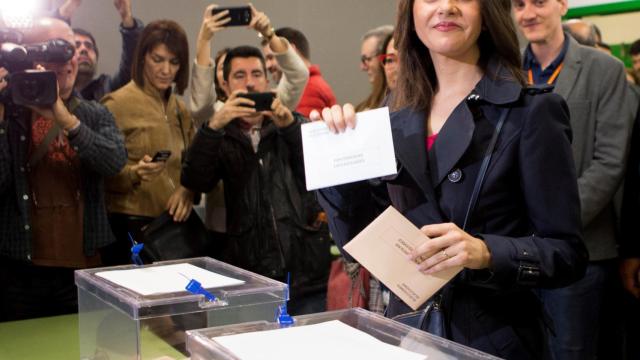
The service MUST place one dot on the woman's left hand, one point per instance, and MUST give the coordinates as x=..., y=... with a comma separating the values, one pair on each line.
x=180, y=204
x=449, y=246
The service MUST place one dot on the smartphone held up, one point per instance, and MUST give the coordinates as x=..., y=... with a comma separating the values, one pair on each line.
x=239, y=15
x=262, y=100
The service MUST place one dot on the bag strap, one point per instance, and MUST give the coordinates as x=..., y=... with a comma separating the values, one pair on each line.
x=483, y=169
x=42, y=149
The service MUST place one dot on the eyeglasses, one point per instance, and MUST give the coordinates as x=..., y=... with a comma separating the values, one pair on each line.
x=365, y=60
x=388, y=59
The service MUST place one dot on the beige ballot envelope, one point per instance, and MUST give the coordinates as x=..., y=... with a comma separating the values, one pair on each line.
x=383, y=247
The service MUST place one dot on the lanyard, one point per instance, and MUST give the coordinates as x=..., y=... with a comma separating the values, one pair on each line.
x=551, y=79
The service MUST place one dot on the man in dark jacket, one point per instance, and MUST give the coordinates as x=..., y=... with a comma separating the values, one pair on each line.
x=258, y=155
x=52, y=213
x=90, y=87
x=601, y=106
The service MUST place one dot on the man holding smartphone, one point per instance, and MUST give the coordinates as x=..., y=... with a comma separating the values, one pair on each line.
x=289, y=87
x=258, y=156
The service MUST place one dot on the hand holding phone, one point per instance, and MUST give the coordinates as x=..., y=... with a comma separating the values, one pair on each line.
x=239, y=15
x=162, y=155
x=262, y=100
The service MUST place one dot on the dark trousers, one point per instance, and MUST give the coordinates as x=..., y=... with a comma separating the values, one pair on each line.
x=620, y=324
x=28, y=291
x=119, y=253
x=576, y=311
x=308, y=304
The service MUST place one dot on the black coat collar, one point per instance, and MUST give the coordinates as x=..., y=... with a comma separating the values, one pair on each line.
x=496, y=88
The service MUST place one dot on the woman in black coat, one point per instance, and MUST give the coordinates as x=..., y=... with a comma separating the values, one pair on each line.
x=459, y=73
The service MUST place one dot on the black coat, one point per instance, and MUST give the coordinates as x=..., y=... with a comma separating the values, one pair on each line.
x=269, y=212
x=528, y=211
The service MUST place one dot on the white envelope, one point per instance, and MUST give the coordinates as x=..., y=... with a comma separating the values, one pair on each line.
x=365, y=152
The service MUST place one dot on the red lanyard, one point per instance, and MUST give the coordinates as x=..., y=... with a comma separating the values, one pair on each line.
x=551, y=79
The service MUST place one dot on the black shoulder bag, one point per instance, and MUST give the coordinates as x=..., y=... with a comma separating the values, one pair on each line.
x=165, y=239
x=431, y=318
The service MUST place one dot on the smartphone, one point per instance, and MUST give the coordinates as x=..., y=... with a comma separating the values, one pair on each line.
x=240, y=15
x=263, y=100
x=162, y=155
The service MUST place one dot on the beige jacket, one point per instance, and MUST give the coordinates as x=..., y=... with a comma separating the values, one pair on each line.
x=148, y=125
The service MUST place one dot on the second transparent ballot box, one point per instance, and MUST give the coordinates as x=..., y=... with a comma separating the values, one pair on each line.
x=143, y=312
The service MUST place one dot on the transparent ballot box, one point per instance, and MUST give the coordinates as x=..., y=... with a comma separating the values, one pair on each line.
x=326, y=341
x=142, y=312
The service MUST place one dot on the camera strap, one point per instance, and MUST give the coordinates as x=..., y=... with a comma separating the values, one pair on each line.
x=42, y=149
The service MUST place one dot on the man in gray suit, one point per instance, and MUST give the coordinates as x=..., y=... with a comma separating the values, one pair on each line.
x=601, y=108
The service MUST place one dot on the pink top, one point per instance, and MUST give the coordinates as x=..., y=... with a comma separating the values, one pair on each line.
x=430, y=140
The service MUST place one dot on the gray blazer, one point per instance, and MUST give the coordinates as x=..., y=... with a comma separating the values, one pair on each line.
x=602, y=112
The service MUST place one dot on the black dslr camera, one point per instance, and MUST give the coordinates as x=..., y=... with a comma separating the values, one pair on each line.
x=28, y=87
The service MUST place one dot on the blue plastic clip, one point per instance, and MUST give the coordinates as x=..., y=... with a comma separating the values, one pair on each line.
x=135, y=251
x=282, y=316
x=195, y=287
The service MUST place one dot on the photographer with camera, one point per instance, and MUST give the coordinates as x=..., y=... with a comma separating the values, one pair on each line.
x=54, y=156
x=89, y=86
x=253, y=144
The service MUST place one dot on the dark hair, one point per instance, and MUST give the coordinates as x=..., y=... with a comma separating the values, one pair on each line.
x=170, y=34
x=385, y=43
x=634, y=76
x=220, y=94
x=635, y=48
x=83, y=32
x=297, y=38
x=242, y=52
x=417, y=82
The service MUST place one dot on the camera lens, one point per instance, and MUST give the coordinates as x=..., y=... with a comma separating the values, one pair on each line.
x=31, y=89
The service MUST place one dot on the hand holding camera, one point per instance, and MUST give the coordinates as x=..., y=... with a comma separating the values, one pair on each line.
x=235, y=107
x=261, y=23
x=28, y=87
x=213, y=21
x=280, y=114
x=58, y=111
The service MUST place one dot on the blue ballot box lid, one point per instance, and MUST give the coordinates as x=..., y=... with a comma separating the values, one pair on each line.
x=253, y=289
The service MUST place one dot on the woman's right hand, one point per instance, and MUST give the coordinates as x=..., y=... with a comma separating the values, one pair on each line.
x=147, y=170
x=211, y=24
x=337, y=118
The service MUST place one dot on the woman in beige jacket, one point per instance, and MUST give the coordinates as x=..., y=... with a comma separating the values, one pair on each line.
x=153, y=119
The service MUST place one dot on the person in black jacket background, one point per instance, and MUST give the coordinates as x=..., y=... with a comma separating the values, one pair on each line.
x=258, y=156
x=89, y=86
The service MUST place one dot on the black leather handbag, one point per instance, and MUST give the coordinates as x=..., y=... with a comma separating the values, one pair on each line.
x=165, y=239
x=431, y=319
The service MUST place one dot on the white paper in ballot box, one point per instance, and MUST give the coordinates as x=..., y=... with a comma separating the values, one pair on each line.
x=363, y=153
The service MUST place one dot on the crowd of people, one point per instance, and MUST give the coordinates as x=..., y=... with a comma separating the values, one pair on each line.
x=521, y=166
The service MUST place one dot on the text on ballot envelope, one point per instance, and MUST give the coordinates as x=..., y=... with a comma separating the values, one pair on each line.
x=363, y=153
